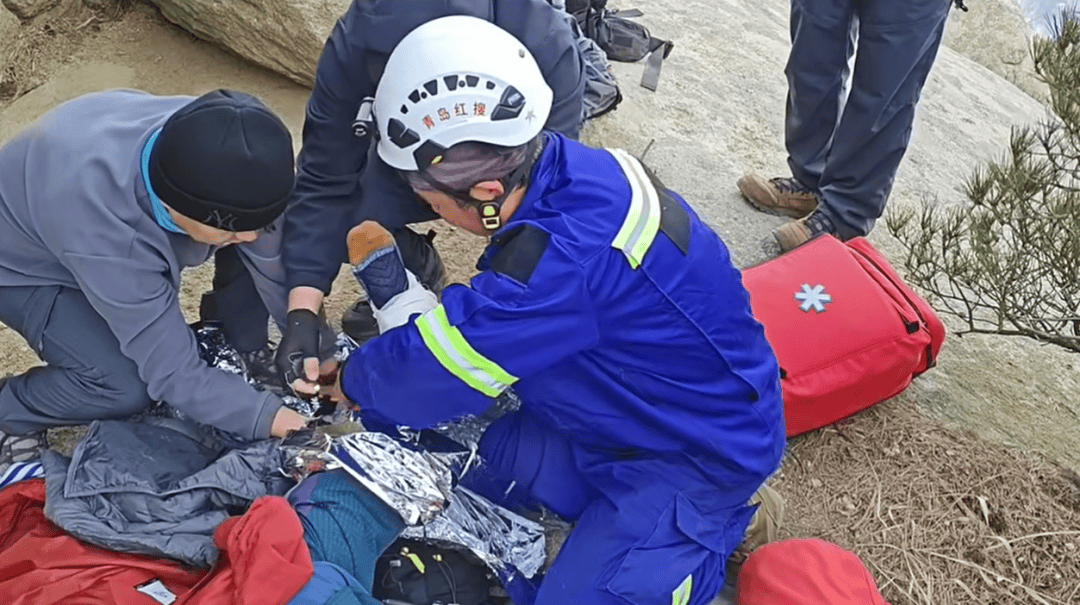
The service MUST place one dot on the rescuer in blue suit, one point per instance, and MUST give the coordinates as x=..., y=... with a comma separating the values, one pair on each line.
x=339, y=183
x=652, y=408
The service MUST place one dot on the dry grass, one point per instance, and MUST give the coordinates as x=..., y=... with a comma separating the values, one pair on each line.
x=938, y=516
x=37, y=46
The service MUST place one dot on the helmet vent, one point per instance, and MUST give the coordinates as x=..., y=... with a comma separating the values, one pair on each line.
x=510, y=105
x=400, y=135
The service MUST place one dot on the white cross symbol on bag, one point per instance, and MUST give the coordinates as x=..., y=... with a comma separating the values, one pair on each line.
x=813, y=298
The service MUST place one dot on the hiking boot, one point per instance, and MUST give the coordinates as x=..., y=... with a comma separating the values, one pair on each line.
x=796, y=233
x=780, y=196
x=765, y=525
x=20, y=448
x=376, y=262
x=421, y=257
x=358, y=322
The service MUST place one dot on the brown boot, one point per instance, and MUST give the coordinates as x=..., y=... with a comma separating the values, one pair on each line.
x=781, y=196
x=365, y=239
x=796, y=233
x=769, y=517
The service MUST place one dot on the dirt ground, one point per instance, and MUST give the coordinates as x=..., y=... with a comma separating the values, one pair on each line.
x=939, y=515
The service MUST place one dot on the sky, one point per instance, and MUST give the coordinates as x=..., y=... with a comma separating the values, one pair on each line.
x=1038, y=10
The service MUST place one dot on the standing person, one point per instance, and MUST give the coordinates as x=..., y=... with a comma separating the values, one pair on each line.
x=342, y=182
x=103, y=202
x=844, y=153
x=651, y=400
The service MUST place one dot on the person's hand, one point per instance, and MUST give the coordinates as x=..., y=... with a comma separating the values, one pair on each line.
x=328, y=372
x=297, y=357
x=287, y=421
x=336, y=394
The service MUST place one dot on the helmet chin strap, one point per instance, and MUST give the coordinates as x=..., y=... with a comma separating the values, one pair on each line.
x=490, y=210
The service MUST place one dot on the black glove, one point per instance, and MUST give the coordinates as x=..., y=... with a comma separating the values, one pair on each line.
x=300, y=341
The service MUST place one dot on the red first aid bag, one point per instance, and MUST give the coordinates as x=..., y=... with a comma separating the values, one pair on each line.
x=847, y=332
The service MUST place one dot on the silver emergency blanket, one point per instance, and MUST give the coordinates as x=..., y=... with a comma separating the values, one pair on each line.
x=414, y=483
x=218, y=353
x=417, y=483
x=494, y=534
x=467, y=431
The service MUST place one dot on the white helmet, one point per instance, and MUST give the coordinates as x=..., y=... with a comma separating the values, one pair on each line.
x=457, y=79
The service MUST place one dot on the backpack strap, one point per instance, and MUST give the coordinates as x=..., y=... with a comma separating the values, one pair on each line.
x=659, y=51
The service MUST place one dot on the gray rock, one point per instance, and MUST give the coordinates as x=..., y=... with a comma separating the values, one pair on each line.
x=286, y=36
x=995, y=34
x=28, y=9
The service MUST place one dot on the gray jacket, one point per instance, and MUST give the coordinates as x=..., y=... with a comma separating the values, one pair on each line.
x=159, y=487
x=74, y=212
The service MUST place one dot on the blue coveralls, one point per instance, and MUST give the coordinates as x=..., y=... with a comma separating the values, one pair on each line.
x=652, y=407
x=849, y=150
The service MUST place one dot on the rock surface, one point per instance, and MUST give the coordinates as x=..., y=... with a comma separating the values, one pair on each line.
x=99, y=4
x=995, y=34
x=718, y=112
x=28, y=9
x=286, y=36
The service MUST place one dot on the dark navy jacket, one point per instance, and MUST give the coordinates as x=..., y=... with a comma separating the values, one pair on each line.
x=663, y=358
x=341, y=181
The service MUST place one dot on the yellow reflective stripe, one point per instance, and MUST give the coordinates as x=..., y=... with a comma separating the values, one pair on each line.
x=642, y=221
x=452, y=351
x=681, y=595
x=635, y=211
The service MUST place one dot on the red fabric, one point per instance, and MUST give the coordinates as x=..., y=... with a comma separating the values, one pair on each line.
x=861, y=346
x=805, y=572
x=264, y=560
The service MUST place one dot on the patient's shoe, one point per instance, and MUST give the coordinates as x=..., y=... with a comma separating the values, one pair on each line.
x=20, y=448
x=765, y=525
x=376, y=262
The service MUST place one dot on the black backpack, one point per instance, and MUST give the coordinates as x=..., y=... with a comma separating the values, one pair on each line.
x=620, y=38
x=412, y=572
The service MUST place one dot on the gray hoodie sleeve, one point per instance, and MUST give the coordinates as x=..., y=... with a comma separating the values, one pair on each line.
x=136, y=297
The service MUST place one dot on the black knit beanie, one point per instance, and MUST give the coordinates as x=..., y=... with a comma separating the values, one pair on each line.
x=224, y=160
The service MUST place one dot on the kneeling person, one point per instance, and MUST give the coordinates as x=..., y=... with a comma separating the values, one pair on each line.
x=651, y=401
x=103, y=202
